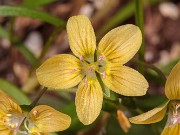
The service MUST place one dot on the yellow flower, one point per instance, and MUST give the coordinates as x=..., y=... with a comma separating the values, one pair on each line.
x=10, y=115
x=115, y=49
x=38, y=122
x=172, y=91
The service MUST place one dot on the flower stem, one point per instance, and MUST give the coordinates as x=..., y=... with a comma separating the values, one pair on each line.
x=33, y=104
x=140, y=23
x=157, y=70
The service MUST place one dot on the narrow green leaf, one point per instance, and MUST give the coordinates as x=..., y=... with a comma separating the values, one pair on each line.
x=106, y=91
x=121, y=15
x=150, y=101
x=21, y=47
x=27, y=54
x=36, y=3
x=33, y=13
x=14, y=92
x=167, y=68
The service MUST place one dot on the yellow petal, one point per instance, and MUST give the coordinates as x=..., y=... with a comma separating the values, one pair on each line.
x=89, y=99
x=81, y=37
x=4, y=130
x=8, y=105
x=172, y=87
x=45, y=119
x=4, y=97
x=125, y=81
x=60, y=72
x=120, y=44
x=174, y=130
x=41, y=134
x=152, y=116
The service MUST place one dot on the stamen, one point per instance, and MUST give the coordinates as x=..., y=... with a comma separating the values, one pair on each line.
x=23, y=132
x=73, y=70
x=81, y=58
x=174, y=115
x=89, y=70
x=12, y=121
x=25, y=125
x=103, y=74
x=86, y=82
x=175, y=111
x=35, y=113
x=101, y=57
x=177, y=106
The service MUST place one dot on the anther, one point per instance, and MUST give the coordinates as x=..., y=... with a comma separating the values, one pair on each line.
x=89, y=70
x=73, y=70
x=35, y=113
x=86, y=82
x=9, y=115
x=101, y=57
x=81, y=58
x=177, y=106
x=103, y=74
x=175, y=110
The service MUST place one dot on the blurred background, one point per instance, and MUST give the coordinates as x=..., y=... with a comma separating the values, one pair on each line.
x=33, y=30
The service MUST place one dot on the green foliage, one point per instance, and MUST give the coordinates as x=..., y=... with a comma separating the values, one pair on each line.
x=33, y=13
x=20, y=46
x=36, y=3
x=14, y=92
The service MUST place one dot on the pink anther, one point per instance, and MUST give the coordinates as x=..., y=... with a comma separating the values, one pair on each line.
x=81, y=57
x=103, y=74
x=101, y=57
x=89, y=70
x=176, y=120
x=86, y=82
x=73, y=70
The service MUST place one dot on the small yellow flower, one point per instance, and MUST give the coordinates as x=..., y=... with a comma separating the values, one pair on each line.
x=172, y=91
x=10, y=115
x=115, y=49
x=41, y=119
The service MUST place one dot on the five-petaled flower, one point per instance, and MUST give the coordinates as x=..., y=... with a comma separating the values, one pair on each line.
x=172, y=91
x=115, y=49
x=39, y=121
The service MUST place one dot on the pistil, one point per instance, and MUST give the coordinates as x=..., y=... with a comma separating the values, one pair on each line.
x=174, y=114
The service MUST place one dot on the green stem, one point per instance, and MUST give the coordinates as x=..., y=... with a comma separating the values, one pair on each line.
x=140, y=23
x=33, y=104
x=157, y=70
x=11, y=29
x=49, y=42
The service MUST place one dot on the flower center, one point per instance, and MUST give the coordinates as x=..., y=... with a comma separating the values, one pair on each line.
x=30, y=123
x=12, y=120
x=89, y=68
x=174, y=114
